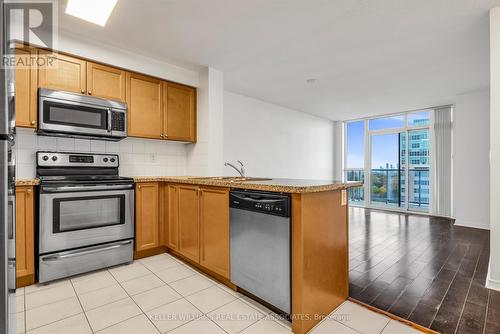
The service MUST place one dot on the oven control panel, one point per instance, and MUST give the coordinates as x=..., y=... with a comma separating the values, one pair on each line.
x=58, y=159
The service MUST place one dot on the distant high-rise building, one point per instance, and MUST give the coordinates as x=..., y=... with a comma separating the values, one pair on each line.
x=418, y=167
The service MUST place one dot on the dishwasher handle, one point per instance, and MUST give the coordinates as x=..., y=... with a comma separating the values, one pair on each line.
x=272, y=204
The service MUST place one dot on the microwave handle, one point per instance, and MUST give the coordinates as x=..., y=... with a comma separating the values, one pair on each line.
x=109, y=119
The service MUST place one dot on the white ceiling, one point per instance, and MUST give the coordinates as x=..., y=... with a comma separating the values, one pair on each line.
x=369, y=56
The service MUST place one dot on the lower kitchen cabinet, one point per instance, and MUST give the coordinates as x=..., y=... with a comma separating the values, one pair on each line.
x=172, y=216
x=188, y=222
x=163, y=212
x=214, y=230
x=25, y=236
x=146, y=216
x=198, y=225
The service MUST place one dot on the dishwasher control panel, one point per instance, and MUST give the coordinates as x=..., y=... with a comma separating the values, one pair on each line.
x=273, y=204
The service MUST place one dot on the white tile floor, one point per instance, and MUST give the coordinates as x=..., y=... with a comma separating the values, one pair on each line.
x=161, y=294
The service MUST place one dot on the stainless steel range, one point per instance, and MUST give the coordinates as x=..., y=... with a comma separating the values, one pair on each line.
x=86, y=214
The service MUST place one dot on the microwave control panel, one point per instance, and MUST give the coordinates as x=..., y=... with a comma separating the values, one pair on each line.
x=118, y=121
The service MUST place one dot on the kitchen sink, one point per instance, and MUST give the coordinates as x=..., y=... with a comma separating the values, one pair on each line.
x=230, y=178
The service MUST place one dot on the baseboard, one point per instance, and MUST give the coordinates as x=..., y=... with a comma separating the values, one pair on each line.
x=407, y=322
x=402, y=211
x=492, y=284
x=23, y=281
x=471, y=225
x=149, y=252
x=224, y=280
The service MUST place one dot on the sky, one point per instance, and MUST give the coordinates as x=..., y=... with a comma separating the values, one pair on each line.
x=384, y=147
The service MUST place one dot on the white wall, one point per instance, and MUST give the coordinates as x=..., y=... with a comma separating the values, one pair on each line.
x=205, y=157
x=471, y=170
x=338, y=144
x=138, y=157
x=493, y=280
x=104, y=53
x=274, y=141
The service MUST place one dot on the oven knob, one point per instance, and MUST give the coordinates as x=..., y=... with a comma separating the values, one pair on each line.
x=105, y=159
x=112, y=160
x=45, y=157
x=54, y=158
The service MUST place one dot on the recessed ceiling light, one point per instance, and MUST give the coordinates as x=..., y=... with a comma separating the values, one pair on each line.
x=95, y=11
x=311, y=81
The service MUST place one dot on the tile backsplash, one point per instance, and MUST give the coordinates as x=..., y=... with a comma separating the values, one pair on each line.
x=138, y=157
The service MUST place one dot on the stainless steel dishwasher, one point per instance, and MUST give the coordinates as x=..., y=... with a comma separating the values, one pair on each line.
x=260, y=245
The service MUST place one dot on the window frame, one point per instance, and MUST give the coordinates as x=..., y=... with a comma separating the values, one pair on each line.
x=368, y=151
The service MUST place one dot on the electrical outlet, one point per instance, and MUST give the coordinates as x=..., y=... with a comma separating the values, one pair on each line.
x=152, y=157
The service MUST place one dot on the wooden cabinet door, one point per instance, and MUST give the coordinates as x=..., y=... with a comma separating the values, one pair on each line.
x=214, y=230
x=25, y=237
x=146, y=216
x=144, y=106
x=173, y=217
x=26, y=87
x=189, y=229
x=67, y=74
x=164, y=214
x=179, y=107
x=105, y=81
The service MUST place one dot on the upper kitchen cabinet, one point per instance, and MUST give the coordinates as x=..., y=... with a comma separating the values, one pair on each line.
x=179, y=105
x=66, y=73
x=144, y=106
x=26, y=87
x=105, y=81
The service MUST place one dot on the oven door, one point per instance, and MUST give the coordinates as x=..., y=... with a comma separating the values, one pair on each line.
x=74, y=117
x=72, y=217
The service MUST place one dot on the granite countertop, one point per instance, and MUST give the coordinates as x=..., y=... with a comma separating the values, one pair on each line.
x=27, y=182
x=276, y=185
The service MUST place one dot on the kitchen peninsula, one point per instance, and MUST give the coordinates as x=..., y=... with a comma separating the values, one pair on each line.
x=192, y=221
x=189, y=217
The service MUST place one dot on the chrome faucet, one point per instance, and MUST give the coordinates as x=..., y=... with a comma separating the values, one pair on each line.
x=240, y=170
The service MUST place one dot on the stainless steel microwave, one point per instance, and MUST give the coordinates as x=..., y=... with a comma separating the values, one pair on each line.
x=74, y=115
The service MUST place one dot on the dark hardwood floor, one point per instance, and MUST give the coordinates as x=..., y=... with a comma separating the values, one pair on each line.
x=423, y=269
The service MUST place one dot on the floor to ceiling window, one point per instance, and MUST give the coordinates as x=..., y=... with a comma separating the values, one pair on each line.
x=391, y=156
x=355, y=159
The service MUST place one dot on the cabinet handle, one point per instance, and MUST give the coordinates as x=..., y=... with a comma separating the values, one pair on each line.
x=28, y=191
x=33, y=122
x=139, y=186
x=161, y=135
x=83, y=91
x=90, y=92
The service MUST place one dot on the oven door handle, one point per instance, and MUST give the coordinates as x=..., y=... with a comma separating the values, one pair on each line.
x=49, y=189
x=75, y=253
